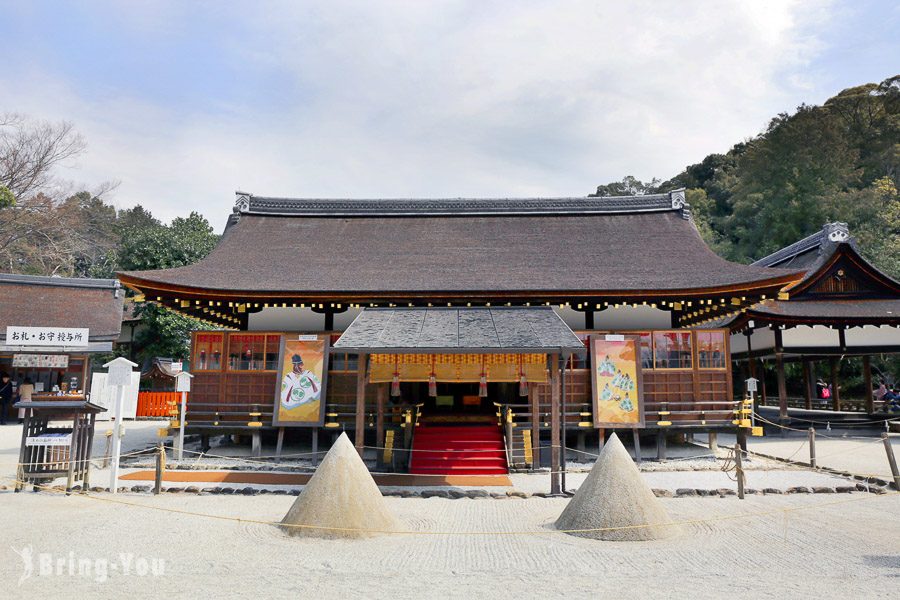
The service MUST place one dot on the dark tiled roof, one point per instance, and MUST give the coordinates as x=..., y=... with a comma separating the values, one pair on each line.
x=533, y=246
x=385, y=207
x=809, y=251
x=868, y=310
x=455, y=329
x=32, y=301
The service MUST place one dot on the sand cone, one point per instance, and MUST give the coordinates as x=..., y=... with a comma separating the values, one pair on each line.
x=615, y=495
x=341, y=494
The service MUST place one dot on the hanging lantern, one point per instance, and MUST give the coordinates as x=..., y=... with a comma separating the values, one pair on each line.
x=482, y=383
x=395, y=384
x=523, y=381
x=432, y=381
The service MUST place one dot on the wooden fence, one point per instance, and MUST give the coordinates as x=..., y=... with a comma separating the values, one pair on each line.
x=158, y=404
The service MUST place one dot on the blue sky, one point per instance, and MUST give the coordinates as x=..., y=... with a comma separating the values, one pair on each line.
x=184, y=102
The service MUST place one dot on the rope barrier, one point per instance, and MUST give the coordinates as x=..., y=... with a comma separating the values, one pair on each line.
x=781, y=511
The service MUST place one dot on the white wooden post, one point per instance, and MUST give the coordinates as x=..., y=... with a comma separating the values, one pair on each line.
x=119, y=375
x=183, y=385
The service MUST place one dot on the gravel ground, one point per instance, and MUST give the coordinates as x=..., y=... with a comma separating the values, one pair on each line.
x=835, y=546
x=859, y=452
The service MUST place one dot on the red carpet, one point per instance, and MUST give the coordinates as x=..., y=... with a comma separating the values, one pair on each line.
x=460, y=450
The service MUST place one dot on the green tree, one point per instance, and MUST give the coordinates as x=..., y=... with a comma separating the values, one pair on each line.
x=6, y=197
x=147, y=244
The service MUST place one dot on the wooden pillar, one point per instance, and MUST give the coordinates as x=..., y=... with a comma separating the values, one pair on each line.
x=867, y=382
x=835, y=392
x=360, y=433
x=588, y=319
x=763, y=397
x=808, y=384
x=329, y=320
x=381, y=396
x=535, y=426
x=555, y=393
x=782, y=386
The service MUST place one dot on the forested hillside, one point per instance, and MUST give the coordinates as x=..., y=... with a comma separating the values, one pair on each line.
x=835, y=162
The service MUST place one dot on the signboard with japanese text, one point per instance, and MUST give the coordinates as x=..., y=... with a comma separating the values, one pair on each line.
x=41, y=361
x=300, y=400
x=616, y=381
x=74, y=337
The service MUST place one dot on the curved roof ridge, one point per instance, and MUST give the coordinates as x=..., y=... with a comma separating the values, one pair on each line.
x=835, y=232
x=247, y=203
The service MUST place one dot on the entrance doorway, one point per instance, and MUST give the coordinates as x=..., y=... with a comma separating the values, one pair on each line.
x=459, y=402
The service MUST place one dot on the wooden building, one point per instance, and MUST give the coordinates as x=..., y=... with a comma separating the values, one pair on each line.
x=842, y=306
x=632, y=267
x=51, y=326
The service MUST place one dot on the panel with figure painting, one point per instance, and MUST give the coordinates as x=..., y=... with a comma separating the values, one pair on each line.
x=616, y=381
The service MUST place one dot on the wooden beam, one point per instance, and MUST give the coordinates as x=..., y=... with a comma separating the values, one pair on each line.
x=381, y=396
x=782, y=387
x=535, y=426
x=555, y=392
x=808, y=384
x=360, y=433
x=835, y=391
x=867, y=383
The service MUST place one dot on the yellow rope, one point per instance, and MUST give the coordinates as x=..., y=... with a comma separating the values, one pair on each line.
x=782, y=511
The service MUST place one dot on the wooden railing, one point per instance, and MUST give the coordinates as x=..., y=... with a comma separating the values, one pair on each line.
x=157, y=404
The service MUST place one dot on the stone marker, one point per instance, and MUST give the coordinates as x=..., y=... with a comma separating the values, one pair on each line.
x=615, y=495
x=341, y=494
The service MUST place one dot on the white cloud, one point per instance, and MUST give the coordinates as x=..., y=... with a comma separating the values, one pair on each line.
x=449, y=99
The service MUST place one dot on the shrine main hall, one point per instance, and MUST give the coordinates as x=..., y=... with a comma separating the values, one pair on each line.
x=458, y=326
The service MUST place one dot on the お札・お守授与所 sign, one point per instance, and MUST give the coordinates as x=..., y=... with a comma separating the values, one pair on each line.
x=74, y=337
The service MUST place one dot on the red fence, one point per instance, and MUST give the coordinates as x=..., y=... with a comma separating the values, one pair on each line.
x=158, y=404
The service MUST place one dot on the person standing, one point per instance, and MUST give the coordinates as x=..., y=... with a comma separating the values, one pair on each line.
x=25, y=392
x=6, y=390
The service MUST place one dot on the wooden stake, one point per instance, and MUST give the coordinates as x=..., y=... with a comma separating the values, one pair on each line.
x=892, y=460
x=739, y=469
x=157, y=486
x=637, y=446
x=812, y=447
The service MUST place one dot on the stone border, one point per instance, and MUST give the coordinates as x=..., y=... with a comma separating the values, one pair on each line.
x=481, y=494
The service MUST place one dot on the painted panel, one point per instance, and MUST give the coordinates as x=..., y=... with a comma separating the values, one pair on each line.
x=300, y=399
x=616, y=381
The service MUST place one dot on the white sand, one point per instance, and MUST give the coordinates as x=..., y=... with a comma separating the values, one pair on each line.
x=843, y=550
x=844, y=450
x=616, y=502
x=340, y=495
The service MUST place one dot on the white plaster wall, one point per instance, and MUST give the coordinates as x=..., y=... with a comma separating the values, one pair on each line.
x=573, y=318
x=760, y=339
x=815, y=336
x=286, y=319
x=869, y=335
x=632, y=317
x=738, y=343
